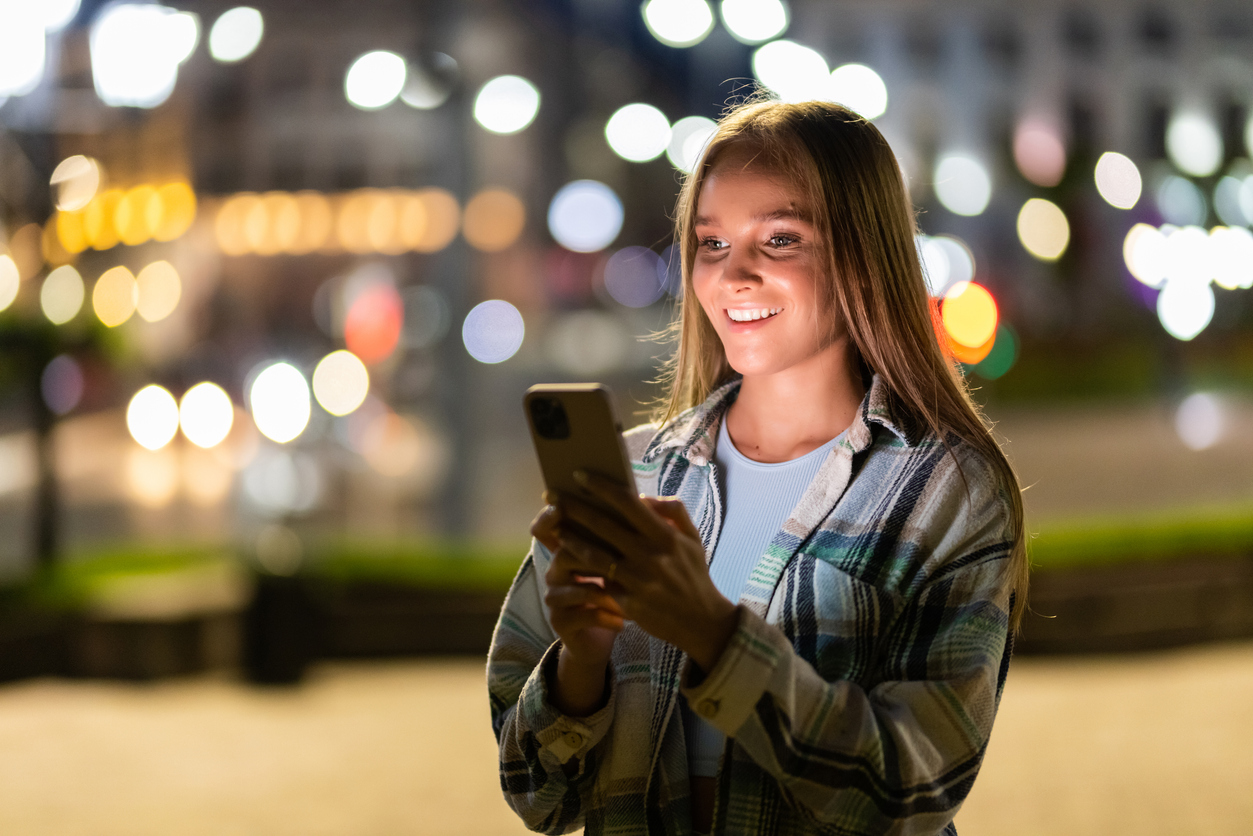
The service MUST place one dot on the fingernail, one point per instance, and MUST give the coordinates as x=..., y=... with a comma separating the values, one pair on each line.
x=580, y=476
x=550, y=497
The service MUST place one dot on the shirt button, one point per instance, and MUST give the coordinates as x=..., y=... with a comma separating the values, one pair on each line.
x=574, y=740
x=707, y=709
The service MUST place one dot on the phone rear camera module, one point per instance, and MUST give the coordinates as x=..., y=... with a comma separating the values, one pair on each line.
x=549, y=418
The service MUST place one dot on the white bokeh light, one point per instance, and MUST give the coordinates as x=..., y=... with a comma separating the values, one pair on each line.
x=1227, y=201
x=493, y=331
x=341, y=382
x=688, y=138
x=1186, y=256
x=1043, y=229
x=754, y=21
x=1199, y=421
x=375, y=79
x=1118, y=180
x=638, y=132
x=795, y=73
x=506, y=104
x=57, y=14
x=10, y=281
x=678, y=23
x=135, y=53
x=152, y=417
x=962, y=185
x=206, y=414
x=23, y=48
x=236, y=34
x=860, y=89
x=61, y=296
x=279, y=398
x=1231, y=257
x=1194, y=144
x=945, y=262
x=632, y=277
x=1180, y=201
x=585, y=216
x=1185, y=307
x=1144, y=251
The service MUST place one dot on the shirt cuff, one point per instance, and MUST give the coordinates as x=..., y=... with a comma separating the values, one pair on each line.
x=561, y=736
x=728, y=694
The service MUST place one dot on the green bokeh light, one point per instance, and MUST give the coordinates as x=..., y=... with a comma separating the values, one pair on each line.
x=1001, y=358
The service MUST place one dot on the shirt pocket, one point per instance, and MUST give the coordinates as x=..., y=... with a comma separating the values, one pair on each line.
x=834, y=620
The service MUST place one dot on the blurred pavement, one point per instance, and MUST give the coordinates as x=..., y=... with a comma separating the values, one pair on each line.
x=1144, y=745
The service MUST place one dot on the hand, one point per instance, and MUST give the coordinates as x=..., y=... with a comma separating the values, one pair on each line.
x=660, y=579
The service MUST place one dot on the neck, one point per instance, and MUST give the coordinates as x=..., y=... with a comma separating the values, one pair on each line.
x=782, y=416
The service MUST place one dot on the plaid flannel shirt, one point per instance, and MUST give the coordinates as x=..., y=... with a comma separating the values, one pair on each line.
x=858, y=692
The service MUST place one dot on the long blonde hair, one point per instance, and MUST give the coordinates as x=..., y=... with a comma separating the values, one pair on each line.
x=861, y=210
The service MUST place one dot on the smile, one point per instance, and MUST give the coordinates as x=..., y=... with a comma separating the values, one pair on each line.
x=751, y=314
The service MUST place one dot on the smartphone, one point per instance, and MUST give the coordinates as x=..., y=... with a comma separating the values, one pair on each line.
x=573, y=426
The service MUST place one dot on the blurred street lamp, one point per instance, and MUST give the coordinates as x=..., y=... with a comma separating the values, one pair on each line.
x=236, y=34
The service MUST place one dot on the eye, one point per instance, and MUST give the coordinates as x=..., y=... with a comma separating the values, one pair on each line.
x=782, y=240
x=713, y=244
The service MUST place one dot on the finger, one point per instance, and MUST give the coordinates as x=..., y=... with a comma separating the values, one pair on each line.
x=673, y=509
x=578, y=596
x=544, y=526
x=567, y=621
x=604, y=526
x=623, y=501
x=591, y=557
x=565, y=568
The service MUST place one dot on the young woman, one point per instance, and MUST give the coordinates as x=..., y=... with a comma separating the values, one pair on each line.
x=807, y=624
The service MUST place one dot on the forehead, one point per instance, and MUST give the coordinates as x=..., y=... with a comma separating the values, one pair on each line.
x=738, y=181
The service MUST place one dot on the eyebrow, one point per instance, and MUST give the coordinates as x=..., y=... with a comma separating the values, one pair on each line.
x=776, y=215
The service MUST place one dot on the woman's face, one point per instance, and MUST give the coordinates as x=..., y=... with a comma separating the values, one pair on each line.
x=758, y=271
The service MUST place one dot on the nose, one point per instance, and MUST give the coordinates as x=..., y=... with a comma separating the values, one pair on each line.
x=741, y=268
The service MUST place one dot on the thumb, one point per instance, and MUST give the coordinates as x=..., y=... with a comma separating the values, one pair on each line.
x=674, y=512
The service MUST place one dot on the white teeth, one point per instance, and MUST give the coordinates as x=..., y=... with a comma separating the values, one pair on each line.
x=751, y=315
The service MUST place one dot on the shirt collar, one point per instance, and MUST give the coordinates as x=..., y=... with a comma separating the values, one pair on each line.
x=694, y=433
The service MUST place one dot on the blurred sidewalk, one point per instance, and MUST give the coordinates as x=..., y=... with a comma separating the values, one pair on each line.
x=1144, y=745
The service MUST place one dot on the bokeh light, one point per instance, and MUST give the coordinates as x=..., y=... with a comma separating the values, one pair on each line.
x=236, y=34
x=61, y=384
x=1194, y=144
x=1144, y=252
x=1001, y=357
x=152, y=476
x=946, y=260
x=341, y=382
x=969, y=314
x=427, y=89
x=587, y=343
x=441, y=218
x=1043, y=229
x=1231, y=257
x=316, y=222
x=75, y=181
x=1186, y=256
x=1039, y=153
x=283, y=481
x=506, y=104
x=795, y=73
x=206, y=414
x=62, y=294
x=10, y=281
x=160, y=289
x=493, y=331
x=678, y=23
x=426, y=316
x=70, y=232
x=585, y=216
x=1199, y=421
x=134, y=212
x=860, y=89
x=1180, y=201
x=98, y=219
x=175, y=210
x=57, y=14
x=493, y=220
x=638, y=132
x=754, y=21
x=114, y=296
x=1185, y=307
x=688, y=138
x=1118, y=180
x=228, y=226
x=23, y=49
x=136, y=50
x=375, y=79
x=962, y=185
x=374, y=322
x=279, y=399
x=152, y=417
x=631, y=276
x=1227, y=201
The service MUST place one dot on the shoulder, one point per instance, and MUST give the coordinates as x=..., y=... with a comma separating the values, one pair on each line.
x=638, y=439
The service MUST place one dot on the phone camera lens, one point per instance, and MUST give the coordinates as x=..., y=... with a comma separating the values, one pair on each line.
x=549, y=418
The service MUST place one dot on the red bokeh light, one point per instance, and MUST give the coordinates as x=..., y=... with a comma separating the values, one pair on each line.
x=372, y=327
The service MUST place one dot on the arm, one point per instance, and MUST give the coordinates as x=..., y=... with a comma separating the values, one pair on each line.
x=548, y=759
x=901, y=757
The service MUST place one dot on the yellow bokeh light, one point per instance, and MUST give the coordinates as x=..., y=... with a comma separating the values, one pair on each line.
x=70, y=231
x=206, y=478
x=493, y=220
x=1043, y=229
x=152, y=417
x=443, y=216
x=282, y=215
x=26, y=249
x=969, y=314
x=62, y=294
x=114, y=296
x=206, y=414
x=381, y=224
x=133, y=214
x=159, y=291
x=341, y=382
x=352, y=224
x=411, y=220
x=177, y=204
x=50, y=242
x=98, y=219
x=228, y=227
x=316, y=222
x=152, y=477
